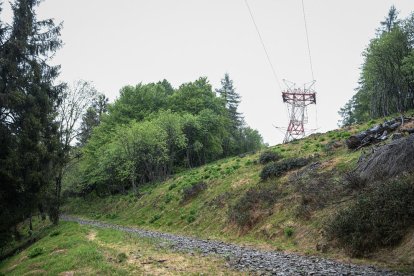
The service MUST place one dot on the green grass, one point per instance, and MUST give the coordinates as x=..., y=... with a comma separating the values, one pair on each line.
x=161, y=206
x=91, y=251
x=207, y=215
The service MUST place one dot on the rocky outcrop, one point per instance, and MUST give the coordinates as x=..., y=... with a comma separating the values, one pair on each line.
x=389, y=160
x=378, y=133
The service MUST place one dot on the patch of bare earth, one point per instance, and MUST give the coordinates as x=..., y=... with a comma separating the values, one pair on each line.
x=67, y=273
x=91, y=236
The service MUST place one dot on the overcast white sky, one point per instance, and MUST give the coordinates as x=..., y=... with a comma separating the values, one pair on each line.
x=115, y=43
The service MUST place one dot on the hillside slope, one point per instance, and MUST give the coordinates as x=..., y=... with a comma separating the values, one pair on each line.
x=227, y=200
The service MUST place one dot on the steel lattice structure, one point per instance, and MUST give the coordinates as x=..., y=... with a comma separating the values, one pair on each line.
x=297, y=100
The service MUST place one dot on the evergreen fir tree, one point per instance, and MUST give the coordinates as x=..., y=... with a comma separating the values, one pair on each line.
x=28, y=101
x=232, y=99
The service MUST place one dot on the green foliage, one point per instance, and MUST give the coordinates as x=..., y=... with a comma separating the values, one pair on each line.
x=193, y=190
x=111, y=216
x=121, y=257
x=289, y=231
x=153, y=131
x=37, y=251
x=172, y=186
x=29, y=98
x=192, y=216
x=155, y=218
x=378, y=218
x=55, y=233
x=255, y=201
x=386, y=82
x=276, y=169
x=168, y=198
x=269, y=156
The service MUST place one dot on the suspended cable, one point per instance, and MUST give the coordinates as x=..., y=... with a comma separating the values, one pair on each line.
x=310, y=56
x=263, y=45
x=307, y=39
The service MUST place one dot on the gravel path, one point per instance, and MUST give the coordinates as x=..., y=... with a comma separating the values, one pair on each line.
x=249, y=259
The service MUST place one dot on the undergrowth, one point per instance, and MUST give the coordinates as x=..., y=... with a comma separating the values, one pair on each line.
x=378, y=218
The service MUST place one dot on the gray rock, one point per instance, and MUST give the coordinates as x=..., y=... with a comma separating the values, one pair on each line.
x=246, y=258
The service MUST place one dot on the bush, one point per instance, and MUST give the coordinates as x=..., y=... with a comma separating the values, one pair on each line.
x=168, y=198
x=193, y=191
x=35, y=252
x=353, y=181
x=274, y=169
x=111, y=216
x=172, y=186
x=54, y=233
x=377, y=219
x=254, y=204
x=269, y=156
x=155, y=218
x=191, y=218
x=121, y=257
x=289, y=231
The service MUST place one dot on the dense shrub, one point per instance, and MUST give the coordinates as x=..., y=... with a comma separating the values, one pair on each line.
x=378, y=218
x=121, y=257
x=35, y=252
x=353, y=181
x=254, y=204
x=316, y=189
x=155, y=218
x=289, y=231
x=54, y=233
x=193, y=191
x=269, y=156
x=274, y=169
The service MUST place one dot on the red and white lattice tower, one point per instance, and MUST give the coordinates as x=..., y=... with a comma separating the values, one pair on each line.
x=297, y=100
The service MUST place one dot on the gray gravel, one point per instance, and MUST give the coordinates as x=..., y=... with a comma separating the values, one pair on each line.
x=248, y=259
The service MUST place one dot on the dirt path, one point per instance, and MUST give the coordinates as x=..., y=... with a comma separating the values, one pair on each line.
x=245, y=258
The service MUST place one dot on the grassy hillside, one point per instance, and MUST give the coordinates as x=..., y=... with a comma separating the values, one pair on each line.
x=227, y=200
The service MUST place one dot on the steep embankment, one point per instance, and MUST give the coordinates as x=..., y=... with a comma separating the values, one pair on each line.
x=291, y=210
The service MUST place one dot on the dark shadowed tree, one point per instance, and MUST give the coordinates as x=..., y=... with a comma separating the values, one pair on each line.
x=28, y=102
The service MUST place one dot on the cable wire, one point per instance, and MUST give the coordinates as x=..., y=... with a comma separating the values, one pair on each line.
x=263, y=45
x=307, y=39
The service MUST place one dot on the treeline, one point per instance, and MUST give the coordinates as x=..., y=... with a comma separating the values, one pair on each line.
x=386, y=82
x=153, y=130
x=57, y=137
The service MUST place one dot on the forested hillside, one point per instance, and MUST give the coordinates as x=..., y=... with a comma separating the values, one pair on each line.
x=153, y=130
x=386, y=82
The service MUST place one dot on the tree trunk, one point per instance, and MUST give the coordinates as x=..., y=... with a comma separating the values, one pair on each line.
x=41, y=211
x=30, y=225
x=133, y=181
x=54, y=209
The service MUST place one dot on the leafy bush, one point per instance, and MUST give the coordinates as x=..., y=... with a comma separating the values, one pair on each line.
x=155, y=218
x=121, y=257
x=274, y=169
x=191, y=218
x=254, y=204
x=269, y=156
x=54, y=233
x=378, y=218
x=172, y=186
x=111, y=216
x=35, y=252
x=193, y=191
x=168, y=198
x=289, y=231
